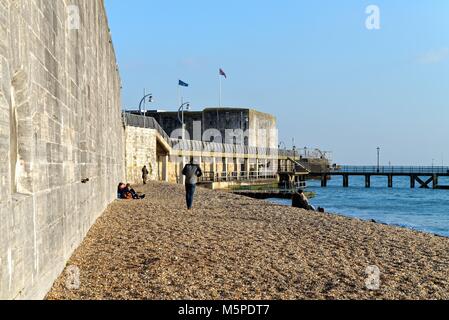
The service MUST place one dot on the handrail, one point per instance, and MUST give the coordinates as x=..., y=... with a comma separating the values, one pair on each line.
x=205, y=146
x=140, y=121
x=212, y=176
x=391, y=169
x=134, y=120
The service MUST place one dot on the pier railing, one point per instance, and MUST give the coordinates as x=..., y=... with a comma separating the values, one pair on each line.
x=415, y=173
x=391, y=170
x=210, y=176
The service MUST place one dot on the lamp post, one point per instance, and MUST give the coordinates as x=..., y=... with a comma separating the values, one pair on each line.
x=144, y=111
x=280, y=145
x=185, y=105
x=378, y=159
x=280, y=164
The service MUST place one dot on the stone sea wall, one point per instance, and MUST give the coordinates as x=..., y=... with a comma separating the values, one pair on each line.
x=59, y=125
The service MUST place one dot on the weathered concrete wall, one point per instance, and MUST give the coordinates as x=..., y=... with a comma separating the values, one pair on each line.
x=260, y=128
x=263, y=130
x=140, y=151
x=174, y=169
x=59, y=124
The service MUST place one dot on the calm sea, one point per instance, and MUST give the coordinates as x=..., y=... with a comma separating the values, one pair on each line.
x=420, y=209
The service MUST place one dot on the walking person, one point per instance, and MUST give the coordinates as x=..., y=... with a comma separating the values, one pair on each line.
x=145, y=174
x=192, y=172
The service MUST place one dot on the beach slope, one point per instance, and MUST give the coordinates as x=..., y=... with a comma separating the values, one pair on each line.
x=233, y=247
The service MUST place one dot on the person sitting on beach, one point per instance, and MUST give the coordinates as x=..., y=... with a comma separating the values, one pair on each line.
x=133, y=192
x=121, y=191
x=125, y=192
x=299, y=200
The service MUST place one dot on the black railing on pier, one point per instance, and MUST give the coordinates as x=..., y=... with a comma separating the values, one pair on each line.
x=416, y=174
x=390, y=170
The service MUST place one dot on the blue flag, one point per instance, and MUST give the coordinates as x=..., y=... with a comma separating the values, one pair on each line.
x=183, y=84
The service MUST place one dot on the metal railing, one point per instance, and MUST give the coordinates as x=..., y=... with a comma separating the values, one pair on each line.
x=135, y=120
x=292, y=168
x=140, y=121
x=391, y=169
x=203, y=146
x=288, y=153
x=210, y=176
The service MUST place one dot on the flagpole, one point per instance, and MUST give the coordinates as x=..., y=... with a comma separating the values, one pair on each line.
x=219, y=79
x=179, y=96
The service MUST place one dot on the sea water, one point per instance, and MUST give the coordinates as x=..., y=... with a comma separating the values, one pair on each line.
x=425, y=210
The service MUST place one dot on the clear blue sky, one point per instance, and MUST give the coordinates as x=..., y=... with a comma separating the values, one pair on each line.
x=331, y=83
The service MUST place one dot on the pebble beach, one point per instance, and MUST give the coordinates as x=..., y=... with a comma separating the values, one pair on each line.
x=234, y=247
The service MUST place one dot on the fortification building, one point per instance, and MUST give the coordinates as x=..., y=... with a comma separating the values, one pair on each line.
x=245, y=126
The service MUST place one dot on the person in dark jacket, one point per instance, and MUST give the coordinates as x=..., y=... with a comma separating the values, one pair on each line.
x=121, y=191
x=145, y=174
x=299, y=200
x=192, y=172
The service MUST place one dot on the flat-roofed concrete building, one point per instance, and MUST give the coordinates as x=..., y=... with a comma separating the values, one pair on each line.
x=243, y=126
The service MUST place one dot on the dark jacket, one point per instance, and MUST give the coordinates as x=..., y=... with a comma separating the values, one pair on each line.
x=192, y=173
x=300, y=201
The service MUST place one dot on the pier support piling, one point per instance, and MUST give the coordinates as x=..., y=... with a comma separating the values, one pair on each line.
x=424, y=184
x=345, y=181
x=324, y=181
x=422, y=177
x=390, y=181
x=367, y=181
x=435, y=181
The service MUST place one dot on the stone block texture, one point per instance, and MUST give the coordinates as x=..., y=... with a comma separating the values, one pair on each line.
x=59, y=124
x=140, y=151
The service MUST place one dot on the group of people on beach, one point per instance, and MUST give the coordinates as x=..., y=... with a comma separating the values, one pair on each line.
x=125, y=192
x=192, y=172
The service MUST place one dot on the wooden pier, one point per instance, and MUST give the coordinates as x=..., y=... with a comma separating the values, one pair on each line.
x=424, y=177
